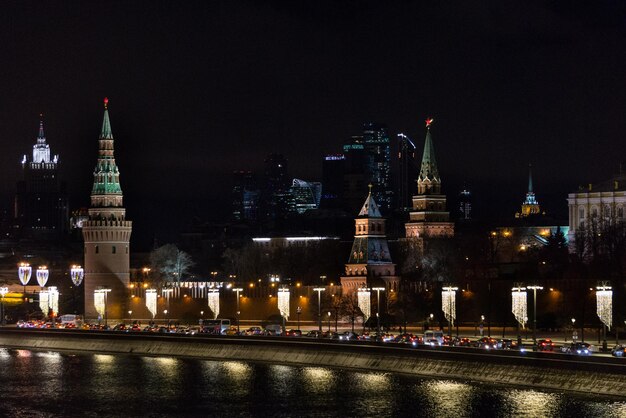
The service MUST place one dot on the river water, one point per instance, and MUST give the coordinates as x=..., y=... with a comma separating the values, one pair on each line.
x=47, y=384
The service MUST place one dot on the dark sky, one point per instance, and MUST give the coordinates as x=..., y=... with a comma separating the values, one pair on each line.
x=198, y=89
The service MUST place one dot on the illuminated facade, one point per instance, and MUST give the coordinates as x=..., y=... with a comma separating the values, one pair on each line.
x=602, y=203
x=429, y=217
x=41, y=203
x=306, y=195
x=107, y=233
x=369, y=258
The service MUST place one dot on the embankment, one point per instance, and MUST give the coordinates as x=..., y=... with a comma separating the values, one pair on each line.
x=596, y=375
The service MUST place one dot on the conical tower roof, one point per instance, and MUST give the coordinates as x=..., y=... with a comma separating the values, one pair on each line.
x=370, y=208
x=106, y=132
x=429, y=170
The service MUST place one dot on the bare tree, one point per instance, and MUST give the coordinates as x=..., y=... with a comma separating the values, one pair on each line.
x=170, y=263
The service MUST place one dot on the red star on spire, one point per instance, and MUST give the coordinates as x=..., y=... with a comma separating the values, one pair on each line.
x=429, y=122
x=106, y=102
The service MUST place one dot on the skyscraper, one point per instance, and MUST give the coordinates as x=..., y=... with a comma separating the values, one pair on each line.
x=277, y=198
x=41, y=204
x=245, y=196
x=333, y=170
x=306, y=195
x=465, y=205
x=106, y=235
x=369, y=156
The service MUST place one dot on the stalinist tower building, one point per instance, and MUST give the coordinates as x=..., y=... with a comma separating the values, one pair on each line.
x=106, y=234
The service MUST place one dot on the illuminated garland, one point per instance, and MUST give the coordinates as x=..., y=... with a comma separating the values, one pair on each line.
x=214, y=302
x=98, y=301
x=283, y=302
x=42, y=276
x=448, y=303
x=365, y=303
x=77, y=273
x=604, y=300
x=43, y=302
x=24, y=272
x=519, y=305
x=151, y=301
x=53, y=295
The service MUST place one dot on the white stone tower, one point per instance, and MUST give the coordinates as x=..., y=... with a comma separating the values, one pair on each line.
x=107, y=233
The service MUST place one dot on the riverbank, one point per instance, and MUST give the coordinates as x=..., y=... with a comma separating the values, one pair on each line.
x=594, y=375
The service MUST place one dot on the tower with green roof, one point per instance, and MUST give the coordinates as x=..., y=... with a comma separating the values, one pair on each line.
x=107, y=233
x=370, y=260
x=429, y=217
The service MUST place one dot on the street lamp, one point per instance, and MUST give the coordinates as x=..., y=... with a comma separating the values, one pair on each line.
x=130, y=316
x=378, y=289
x=574, y=334
x=168, y=321
x=319, y=291
x=329, y=314
x=534, y=288
x=237, y=290
x=3, y=291
x=298, y=312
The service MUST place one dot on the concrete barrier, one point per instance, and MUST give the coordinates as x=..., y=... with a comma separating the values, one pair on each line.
x=600, y=376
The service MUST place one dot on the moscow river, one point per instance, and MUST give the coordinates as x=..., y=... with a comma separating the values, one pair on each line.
x=47, y=384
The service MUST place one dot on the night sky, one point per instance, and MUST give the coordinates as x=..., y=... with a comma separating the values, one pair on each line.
x=198, y=89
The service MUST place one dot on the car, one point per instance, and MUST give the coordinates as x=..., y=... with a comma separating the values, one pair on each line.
x=293, y=333
x=364, y=337
x=405, y=338
x=313, y=334
x=486, y=343
x=506, y=344
x=545, y=345
x=618, y=351
x=433, y=342
x=253, y=331
x=231, y=331
x=581, y=349
x=461, y=342
x=348, y=336
x=120, y=327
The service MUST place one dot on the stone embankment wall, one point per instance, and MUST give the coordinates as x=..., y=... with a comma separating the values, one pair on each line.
x=564, y=374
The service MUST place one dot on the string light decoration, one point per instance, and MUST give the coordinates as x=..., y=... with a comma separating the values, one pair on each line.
x=24, y=272
x=365, y=303
x=519, y=306
x=604, y=303
x=448, y=303
x=53, y=298
x=42, y=275
x=283, y=302
x=151, y=301
x=43, y=302
x=214, y=302
x=99, y=302
x=77, y=273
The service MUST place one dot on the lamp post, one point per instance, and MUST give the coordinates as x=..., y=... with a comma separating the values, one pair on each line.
x=319, y=291
x=168, y=321
x=378, y=289
x=3, y=291
x=449, y=296
x=574, y=333
x=329, y=314
x=237, y=290
x=298, y=312
x=534, y=288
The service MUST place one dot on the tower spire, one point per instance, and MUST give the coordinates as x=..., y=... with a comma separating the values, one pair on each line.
x=428, y=180
x=41, y=137
x=106, y=132
x=530, y=178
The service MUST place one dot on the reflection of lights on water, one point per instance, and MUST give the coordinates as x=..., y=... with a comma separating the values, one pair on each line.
x=318, y=379
x=24, y=353
x=103, y=358
x=372, y=381
x=533, y=403
x=280, y=371
x=165, y=366
x=237, y=369
x=449, y=398
x=4, y=353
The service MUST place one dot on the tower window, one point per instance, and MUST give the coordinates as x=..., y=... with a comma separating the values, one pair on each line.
x=97, y=249
x=113, y=249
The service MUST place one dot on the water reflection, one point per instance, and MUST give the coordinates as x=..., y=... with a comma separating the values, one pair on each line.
x=372, y=382
x=317, y=379
x=533, y=403
x=447, y=397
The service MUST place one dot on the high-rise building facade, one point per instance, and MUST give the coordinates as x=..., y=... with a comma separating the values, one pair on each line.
x=369, y=162
x=429, y=217
x=333, y=170
x=277, y=198
x=245, y=196
x=41, y=203
x=306, y=195
x=106, y=235
x=465, y=205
